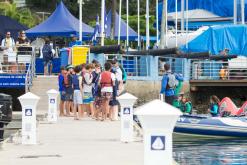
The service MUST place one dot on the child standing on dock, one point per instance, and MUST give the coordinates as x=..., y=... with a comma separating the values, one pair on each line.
x=77, y=96
x=87, y=83
x=69, y=90
x=107, y=81
x=61, y=90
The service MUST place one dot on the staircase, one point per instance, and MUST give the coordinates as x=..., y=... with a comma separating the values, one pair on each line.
x=41, y=84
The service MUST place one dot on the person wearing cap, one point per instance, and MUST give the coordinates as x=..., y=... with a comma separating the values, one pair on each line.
x=62, y=92
x=68, y=89
x=74, y=41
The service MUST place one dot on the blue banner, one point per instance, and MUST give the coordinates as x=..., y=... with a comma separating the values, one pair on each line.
x=12, y=80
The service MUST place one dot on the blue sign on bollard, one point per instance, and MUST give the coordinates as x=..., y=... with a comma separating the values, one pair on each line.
x=52, y=101
x=157, y=143
x=126, y=111
x=28, y=112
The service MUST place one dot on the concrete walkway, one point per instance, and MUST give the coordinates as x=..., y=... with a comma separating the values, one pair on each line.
x=86, y=142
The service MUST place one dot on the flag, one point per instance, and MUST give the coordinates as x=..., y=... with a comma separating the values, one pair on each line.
x=105, y=21
x=96, y=29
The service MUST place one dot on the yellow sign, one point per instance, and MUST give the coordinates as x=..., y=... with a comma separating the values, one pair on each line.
x=79, y=55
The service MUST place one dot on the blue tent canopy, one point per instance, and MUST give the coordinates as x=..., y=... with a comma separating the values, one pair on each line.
x=123, y=32
x=217, y=38
x=223, y=8
x=60, y=23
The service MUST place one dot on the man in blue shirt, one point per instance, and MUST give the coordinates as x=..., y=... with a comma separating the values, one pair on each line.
x=168, y=84
x=74, y=41
x=62, y=90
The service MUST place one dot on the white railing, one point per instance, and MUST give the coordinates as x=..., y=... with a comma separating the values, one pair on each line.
x=212, y=70
x=20, y=62
x=134, y=65
x=176, y=64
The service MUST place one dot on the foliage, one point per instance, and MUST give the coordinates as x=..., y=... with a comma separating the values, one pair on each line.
x=22, y=15
x=90, y=8
x=134, y=24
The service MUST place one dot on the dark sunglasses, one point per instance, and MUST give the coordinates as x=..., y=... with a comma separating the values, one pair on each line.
x=8, y=34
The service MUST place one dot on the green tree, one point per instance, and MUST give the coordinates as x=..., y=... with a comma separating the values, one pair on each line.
x=22, y=15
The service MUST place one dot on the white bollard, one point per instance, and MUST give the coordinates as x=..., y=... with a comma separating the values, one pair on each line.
x=127, y=102
x=52, y=105
x=29, y=103
x=158, y=120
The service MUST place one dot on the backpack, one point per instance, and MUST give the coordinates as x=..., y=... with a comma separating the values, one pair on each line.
x=47, y=52
x=124, y=74
x=172, y=81
x=84, y=82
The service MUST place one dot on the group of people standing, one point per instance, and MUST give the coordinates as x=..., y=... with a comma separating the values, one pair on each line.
x=88, y=88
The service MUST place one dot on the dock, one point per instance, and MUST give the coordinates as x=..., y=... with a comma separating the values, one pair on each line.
x=86, y=142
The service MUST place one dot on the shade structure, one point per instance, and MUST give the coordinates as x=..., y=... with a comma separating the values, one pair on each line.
x=223, y=8
x=217, y=38
x=8, y=24
x=60, y=23
x=123, y=32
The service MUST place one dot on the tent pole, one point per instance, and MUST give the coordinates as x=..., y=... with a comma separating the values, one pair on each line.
x=163, y=25
x=119, y=21
x=102, y=22
x=147, y=25
x=176, y=22
x=243, y=11
x=235, y=11
x=80, y=24
x=157, y=22
x=182, y=16
x=187, y=22
x=166, y=20
x=138, y=23
x=127, y=21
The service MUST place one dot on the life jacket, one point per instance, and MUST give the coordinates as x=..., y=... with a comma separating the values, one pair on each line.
x=106, y=80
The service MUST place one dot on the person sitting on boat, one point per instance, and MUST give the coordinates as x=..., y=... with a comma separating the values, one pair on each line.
x=214, y=106
x=186, y=105
x=178, y=101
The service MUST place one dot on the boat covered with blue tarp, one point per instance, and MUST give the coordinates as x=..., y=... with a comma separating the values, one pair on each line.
x=218, y=38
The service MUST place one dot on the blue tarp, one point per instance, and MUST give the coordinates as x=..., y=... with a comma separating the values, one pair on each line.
x=8, y=24
x=223, y=8
x=60, y=23
x=217, y=38
x=132, y=34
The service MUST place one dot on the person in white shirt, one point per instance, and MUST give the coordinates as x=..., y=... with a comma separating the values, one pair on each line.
x=87, y=81
x=8, y=45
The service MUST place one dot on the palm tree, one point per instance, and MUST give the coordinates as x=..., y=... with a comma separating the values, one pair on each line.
x=22, y=15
